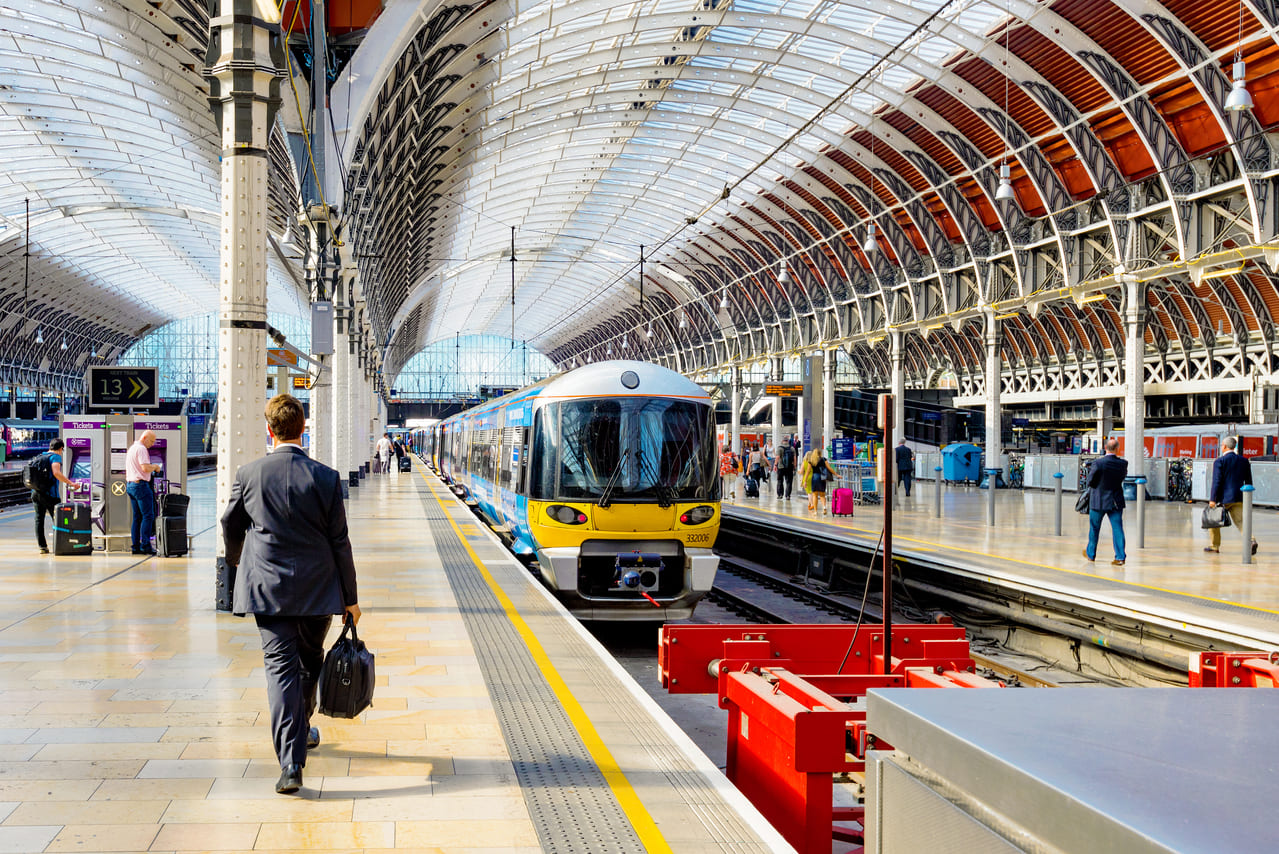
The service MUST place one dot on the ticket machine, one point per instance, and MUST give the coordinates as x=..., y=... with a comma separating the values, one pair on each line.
x=94, y=457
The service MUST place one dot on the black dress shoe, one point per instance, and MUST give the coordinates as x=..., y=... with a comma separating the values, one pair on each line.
x=290, y=780
x=312, y=738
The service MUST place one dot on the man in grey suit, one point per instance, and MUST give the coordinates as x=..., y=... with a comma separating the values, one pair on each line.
x=285, y=530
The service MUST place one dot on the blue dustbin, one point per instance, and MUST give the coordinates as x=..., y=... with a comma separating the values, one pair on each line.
x=1130, y=489
x=961, y=461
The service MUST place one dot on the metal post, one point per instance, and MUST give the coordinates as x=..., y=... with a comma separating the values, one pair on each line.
x=1141, y=512
x=1246, y=528
x=244, y=57
x=1058, y=478
x=937, y=491
x=992, y=476
x=886, y=412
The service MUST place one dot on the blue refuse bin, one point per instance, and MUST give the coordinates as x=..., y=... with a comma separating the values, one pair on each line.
x=1130, y=488
x=961, y=461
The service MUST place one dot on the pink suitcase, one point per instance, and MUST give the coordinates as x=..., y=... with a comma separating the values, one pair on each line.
x=841, y=502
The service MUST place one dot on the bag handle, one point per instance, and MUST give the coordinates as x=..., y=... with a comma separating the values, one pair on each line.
x=348, y=625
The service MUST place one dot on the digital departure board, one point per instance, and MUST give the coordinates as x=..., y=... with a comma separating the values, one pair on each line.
x=122, y=387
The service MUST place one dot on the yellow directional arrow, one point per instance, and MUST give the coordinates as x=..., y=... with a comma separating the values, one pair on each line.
x=140, y=387
x=133, y=382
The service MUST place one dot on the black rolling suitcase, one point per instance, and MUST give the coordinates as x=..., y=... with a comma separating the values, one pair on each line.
x=171, y=536
x=72, y=529
x=406, y=463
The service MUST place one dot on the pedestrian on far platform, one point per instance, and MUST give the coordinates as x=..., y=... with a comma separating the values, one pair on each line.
x=1230, y=473
x=905, y=465
x=1106, y=480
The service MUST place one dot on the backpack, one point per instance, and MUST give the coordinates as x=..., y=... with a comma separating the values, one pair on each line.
x=38, y=474
x=786, y=459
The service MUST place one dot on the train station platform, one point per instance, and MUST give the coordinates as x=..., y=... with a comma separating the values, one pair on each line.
x=1171, y=580
x=135, y=714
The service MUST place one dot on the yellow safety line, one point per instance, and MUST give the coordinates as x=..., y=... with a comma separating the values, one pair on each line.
x=645, y=828
x=945, y=547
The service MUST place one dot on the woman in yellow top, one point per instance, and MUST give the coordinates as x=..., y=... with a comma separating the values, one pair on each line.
x=815, y=474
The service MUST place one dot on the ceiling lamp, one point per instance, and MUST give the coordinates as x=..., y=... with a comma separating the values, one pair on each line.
x=1239, y=99
x=64, y=342
x=39, y=336
x=624, y=345
x=683, y=320
x=648, y=333
x=1004, y=193
x=783, y=274
x=723, y=300
x=610, y=349
x=871, y=243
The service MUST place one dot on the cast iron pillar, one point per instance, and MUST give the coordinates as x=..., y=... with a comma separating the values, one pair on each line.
x=244, y=57
x=830, y=360
x=736, y=423
x=779, y=376
x=1134, y=374
x=994, y=419
x=897, y=356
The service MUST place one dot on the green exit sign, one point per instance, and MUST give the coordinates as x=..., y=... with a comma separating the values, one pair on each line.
x=122, y=387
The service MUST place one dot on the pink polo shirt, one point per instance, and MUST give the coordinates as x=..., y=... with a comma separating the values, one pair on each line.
x=134, y=461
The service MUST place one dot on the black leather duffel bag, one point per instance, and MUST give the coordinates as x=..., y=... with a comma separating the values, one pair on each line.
x=346, y=679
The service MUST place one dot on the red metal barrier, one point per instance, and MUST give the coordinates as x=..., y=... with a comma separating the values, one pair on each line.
x=1234, y=670
x=788, y=734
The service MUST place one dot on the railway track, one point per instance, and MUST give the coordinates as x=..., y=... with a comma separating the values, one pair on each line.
x=759, y=595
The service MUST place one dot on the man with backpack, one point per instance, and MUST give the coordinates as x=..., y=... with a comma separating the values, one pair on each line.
x=785, y=468
x=42, y=475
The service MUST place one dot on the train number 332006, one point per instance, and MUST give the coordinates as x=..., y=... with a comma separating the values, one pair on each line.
x=702, y=537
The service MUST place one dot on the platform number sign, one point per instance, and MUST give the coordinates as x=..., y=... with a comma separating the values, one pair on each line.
x=122, y=387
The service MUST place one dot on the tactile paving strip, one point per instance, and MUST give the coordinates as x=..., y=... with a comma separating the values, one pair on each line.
x=570, y=803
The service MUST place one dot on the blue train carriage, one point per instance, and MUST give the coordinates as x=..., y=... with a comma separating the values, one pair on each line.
x=607, y=476
x=26, y=438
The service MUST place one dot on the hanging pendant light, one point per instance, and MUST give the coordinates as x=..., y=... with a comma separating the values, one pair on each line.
x=1005, y=193
x=783, y=274
x=1238, y=99
x=649, y=332
x=610, y=349
x=64, y=342
x=683, y=321
x=39, y=336
x=723, y=301
x=871, y=243
x=624, y=345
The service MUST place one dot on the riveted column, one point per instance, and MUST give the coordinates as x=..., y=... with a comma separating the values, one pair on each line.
x=317, y=266
x=341, y=377
x=994, y=417
x=736, y=402
x=830, y=361
x=897, y=357
x=244, y=56
x=779, y=375
x=1135, y=375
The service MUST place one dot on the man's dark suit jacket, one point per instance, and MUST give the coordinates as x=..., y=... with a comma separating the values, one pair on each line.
x=905, y=459
x=285, y=527
x=1231, y=471
x=1106, y=477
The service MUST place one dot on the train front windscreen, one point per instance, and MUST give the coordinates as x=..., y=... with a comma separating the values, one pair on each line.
x=625, y=449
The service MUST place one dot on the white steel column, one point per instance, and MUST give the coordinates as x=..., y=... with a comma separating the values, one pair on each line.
x=994, y=420
x=244, y=91
x=779, y=375
x=897, y=357
x=830, y=360
x=737, y=411
x=321, y=409
x=1135, y=376
x=340, y=377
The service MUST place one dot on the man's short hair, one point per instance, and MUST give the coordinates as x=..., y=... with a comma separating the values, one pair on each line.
x=1230, y=443
x=55, y=444
x=285, y=417
x=902, y=440
x=1112, y=445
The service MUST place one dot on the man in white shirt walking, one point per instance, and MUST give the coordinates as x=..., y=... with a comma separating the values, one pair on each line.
x=383, y=452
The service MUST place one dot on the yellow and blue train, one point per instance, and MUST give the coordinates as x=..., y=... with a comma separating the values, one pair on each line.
x=606, y=475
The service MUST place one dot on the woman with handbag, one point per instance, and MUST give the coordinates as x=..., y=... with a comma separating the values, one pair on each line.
x=821, y=473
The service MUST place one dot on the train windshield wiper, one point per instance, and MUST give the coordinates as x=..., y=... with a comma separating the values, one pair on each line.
x=665, y=493
x=606, y=497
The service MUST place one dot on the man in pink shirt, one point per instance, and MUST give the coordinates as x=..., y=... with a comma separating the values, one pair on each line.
x=137, y=471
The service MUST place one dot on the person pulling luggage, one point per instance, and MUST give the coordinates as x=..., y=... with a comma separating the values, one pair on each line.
x=45, y=475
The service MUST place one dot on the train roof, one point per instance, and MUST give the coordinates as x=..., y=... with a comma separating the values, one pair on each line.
x=29, y=424
x=615, y=378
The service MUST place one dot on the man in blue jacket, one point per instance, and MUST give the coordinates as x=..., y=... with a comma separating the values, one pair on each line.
x=285, y=530
x=1106, y=480
x=1230, y=472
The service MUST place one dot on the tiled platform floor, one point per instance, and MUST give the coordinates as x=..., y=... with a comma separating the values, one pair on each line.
x=134, y=715
x=1173, y=560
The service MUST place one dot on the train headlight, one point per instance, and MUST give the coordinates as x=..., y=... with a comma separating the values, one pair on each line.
x=698, y=515
x=566, y=515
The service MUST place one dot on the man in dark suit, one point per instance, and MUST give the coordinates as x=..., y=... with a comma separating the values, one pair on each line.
x=285, y=528
x=1106, y=480
x=905, y=465
x=1230, y=472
